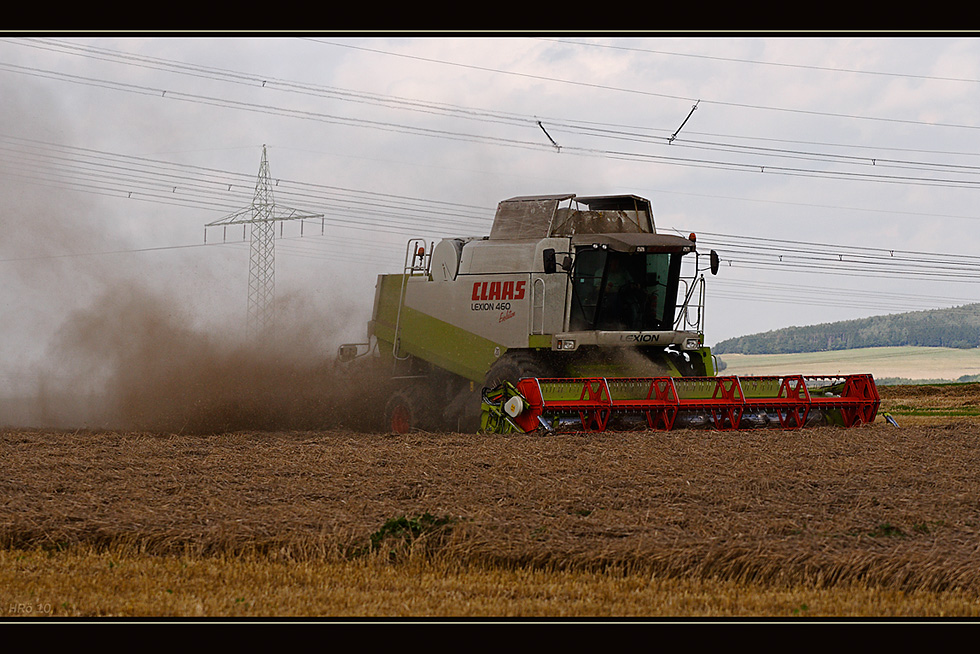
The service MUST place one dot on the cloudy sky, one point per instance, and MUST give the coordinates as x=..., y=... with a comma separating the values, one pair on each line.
x=836, y=176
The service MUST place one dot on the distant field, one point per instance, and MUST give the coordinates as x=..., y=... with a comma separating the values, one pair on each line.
x=930, y=363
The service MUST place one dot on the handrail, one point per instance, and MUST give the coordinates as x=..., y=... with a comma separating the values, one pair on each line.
x=415, y=249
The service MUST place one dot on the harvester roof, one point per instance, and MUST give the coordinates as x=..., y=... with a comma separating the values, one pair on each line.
x=541, y=216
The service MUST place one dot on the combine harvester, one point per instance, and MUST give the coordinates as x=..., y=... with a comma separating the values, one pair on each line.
x=573, y=314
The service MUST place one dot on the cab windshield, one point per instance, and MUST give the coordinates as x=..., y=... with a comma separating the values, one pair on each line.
x=619, y=291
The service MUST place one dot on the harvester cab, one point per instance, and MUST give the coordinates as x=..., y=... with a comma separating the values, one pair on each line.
x=563, y=286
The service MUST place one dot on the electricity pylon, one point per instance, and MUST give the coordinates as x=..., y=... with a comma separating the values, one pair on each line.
x=261, y=216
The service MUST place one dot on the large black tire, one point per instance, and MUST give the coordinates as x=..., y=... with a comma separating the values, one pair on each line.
x=408, y=409
x=511, y=367
x=514, y=365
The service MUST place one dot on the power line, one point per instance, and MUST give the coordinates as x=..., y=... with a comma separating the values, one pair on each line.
x=200, y=187
x=256, y=80
x=272, y=83
x=850, y=270
x=369, y=210
x=207, y=188
x=795, y=244
x=645, y=93
x=72, y=255
x=632, y=135
x=758, y=62
x=806, y=295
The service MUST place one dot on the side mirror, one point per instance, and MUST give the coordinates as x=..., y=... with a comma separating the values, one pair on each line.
x=346, y=353
x=550, y=265
x=715, y=262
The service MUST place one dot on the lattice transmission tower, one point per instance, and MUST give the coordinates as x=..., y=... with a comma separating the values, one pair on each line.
x=262, y=216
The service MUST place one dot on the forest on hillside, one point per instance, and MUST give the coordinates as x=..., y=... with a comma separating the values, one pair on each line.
x=958, y=327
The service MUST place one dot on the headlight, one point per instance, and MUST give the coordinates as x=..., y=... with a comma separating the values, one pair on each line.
x=692, y=344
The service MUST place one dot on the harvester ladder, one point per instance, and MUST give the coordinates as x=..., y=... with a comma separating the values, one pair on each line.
x=417, y=262
x=683, y=321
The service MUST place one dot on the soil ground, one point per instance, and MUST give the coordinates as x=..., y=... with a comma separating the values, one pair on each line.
x=890, y=507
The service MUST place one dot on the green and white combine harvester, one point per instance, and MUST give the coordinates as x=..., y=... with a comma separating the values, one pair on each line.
x=573, y=314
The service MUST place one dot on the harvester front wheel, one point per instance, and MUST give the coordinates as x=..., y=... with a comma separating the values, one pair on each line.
x=515, y=365
x=407, y=410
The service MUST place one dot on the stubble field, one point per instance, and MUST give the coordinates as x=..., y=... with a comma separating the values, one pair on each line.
x=873, y=521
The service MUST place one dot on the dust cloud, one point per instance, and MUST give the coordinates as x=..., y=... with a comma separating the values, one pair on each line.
x=131, y=362
x=144, y=341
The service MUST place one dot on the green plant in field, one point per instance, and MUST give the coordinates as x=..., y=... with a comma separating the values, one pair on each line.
x=887, y=529
x=883, y=530
x=399, y=532
x=927, y=527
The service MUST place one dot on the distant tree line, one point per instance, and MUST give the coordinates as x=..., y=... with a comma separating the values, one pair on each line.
x=958, y=327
